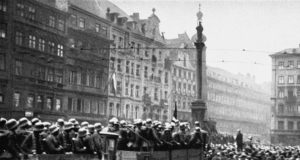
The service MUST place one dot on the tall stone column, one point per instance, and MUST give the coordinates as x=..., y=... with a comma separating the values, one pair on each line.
x=199, y=105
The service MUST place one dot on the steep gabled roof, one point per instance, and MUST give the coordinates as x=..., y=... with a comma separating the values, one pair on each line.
x=99, y=7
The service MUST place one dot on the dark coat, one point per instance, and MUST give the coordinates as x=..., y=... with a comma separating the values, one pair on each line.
x=79, y=146
x=33, y=142
x=53, y=146
x=239, y=139
x=196, y=140
x=66, y=141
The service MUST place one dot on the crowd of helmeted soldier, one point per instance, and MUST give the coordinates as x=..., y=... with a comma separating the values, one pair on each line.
x=24, y=137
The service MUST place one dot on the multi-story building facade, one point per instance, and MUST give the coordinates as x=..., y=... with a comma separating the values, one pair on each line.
x=237, y=102
x=32, y=51
x=86, y=62
x=285, y=122
x=61, y=62
x=183, y=75
x=137, y=67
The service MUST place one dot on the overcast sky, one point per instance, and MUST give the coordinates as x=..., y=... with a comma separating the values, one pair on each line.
x=260, y=27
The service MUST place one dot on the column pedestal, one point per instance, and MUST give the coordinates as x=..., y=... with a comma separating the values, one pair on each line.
x=198, y=111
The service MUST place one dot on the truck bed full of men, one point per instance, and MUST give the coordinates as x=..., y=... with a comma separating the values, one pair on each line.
x=24, y=137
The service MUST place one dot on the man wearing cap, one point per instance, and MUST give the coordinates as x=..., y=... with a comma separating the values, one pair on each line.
x=13, y=147
x=3, y=145
x=181, y=136
x=239, y=140
x=33, y=142
x=167, y=139
x=79, y=142
x=2, y=123
x=123, y=140
x=97, y=139
x=65, y=137
x=89, y=140
x=196, y=140
x=151, y=135
x=53, y=146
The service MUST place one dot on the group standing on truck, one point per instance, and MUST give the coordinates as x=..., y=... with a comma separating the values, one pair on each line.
x=24, y=137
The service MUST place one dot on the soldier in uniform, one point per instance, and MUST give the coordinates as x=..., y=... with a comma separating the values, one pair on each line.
x=196, y=140
x=181, y=136
x=53, y=145
x=89, y=140
x=12, y=146
x=33, y=142
x=65, y=137
x=167, y=139
x=79, y=144
x=2, y=123
x=239, y=140
x=123, y=138
x=97, y=139
x=151, y=135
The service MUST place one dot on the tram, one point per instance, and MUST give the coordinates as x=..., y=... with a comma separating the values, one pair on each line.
x=110, y=152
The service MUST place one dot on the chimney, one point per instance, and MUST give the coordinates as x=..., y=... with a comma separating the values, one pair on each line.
x=135, y=16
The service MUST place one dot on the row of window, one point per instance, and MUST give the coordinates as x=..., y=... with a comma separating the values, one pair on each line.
x=135, y=47
x=29, y=12
x=288, y=109
x=85, y=105
x=130, y=111
x=183, y=103
x=3, y=5
x=290, y=64
x=134, y=91
x=291, y=92
x=133, y=69
x=184, y=74
x=290, y=125
x=40, y=72
x=290, y=79
x=39, y=43
x=37, y=101
x=184, y=87
x=86, y=78
x=81, y=23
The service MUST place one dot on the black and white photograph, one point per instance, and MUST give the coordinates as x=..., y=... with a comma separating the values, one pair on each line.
x=149, y=79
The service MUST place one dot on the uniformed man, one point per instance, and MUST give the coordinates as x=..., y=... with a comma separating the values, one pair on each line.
x=167, y=138
x=181, y=136
x=98, y=140
x=89, y=140
x=53, y=145
x=2, y=123
x=123, y=138
x=13, y=147
x=152, y=136
x=33, y=142
x=79, y=144
x=65, y=137
x=196, y=140
x=239, y=140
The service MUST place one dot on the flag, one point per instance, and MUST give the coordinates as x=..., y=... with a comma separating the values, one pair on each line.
x=174, y=119
x=114, y=82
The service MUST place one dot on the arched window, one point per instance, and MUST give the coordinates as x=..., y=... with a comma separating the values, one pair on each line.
x=118, y=110
x=154, y=59
x=111, y=109
x=127, y=111
x=136, y=111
